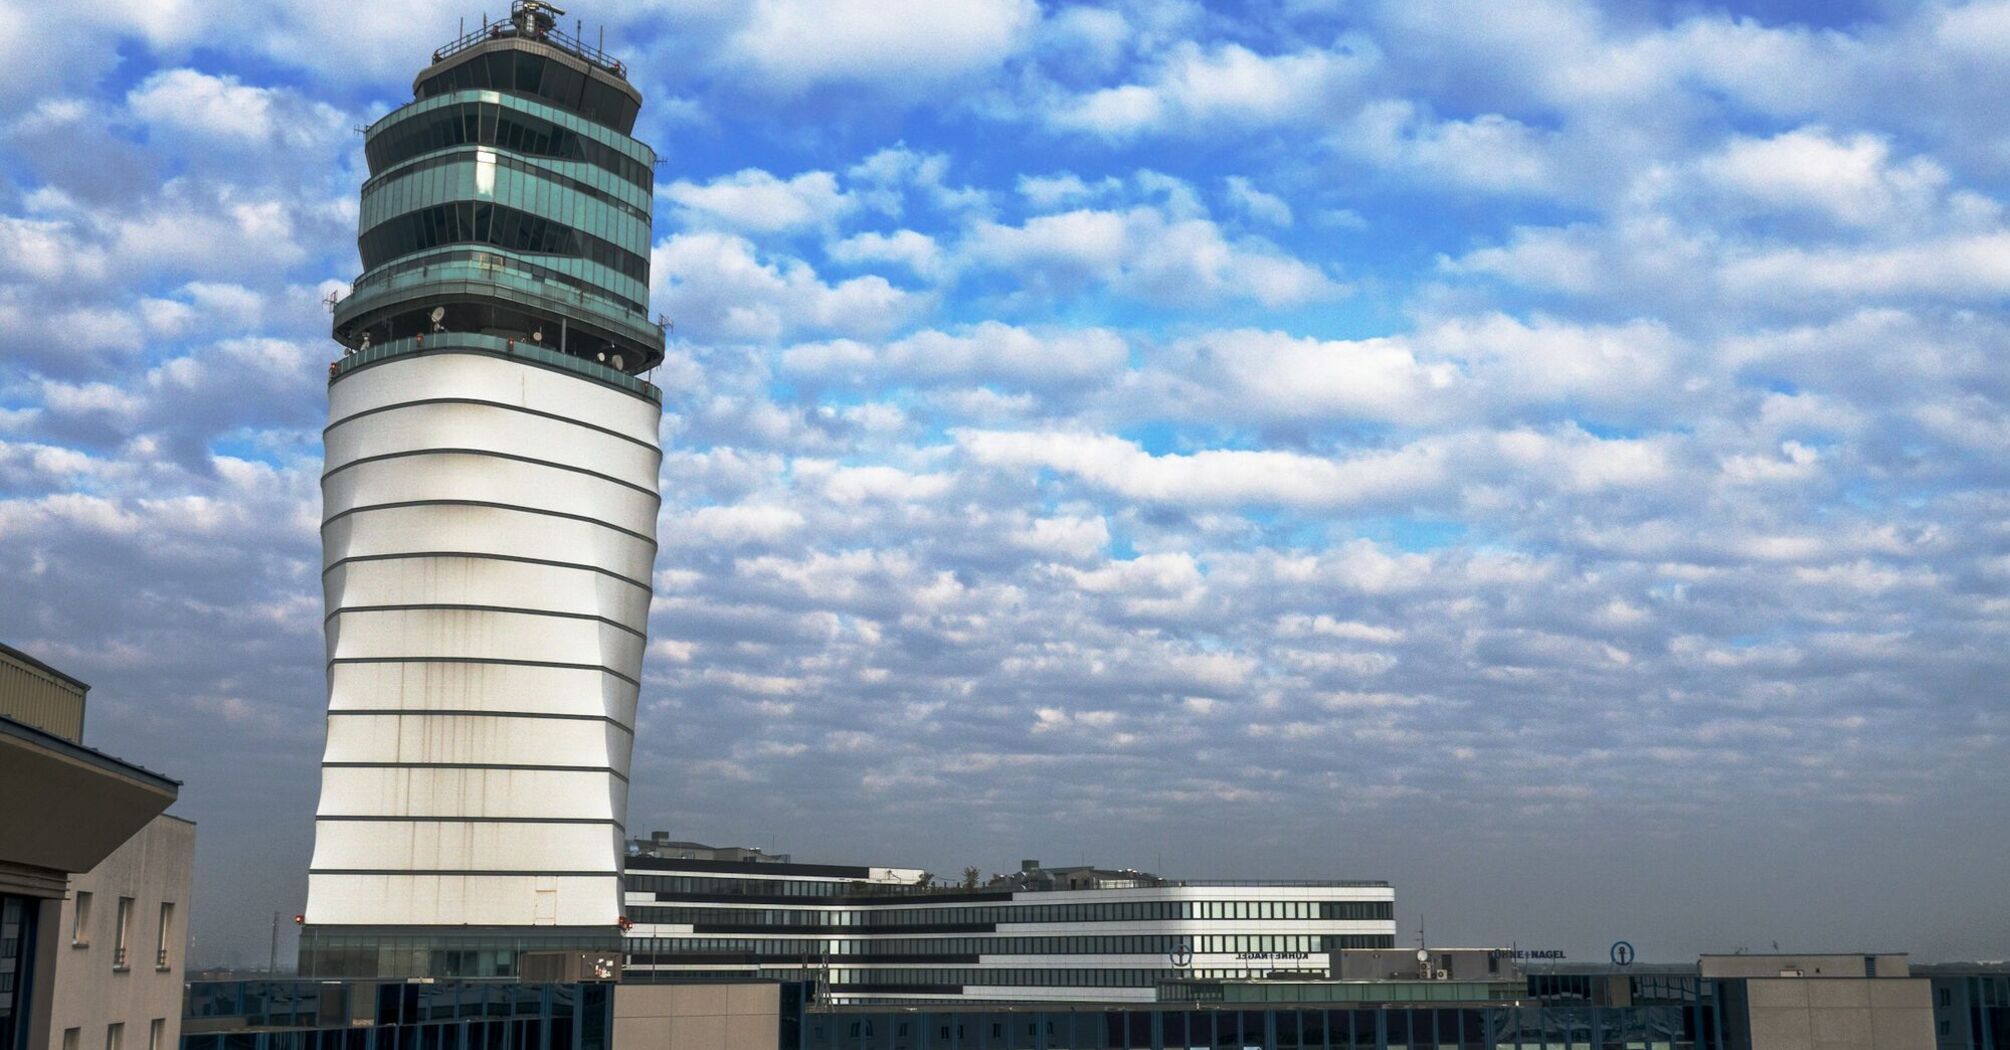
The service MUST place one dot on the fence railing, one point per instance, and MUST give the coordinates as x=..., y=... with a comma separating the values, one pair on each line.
x=495, y=269
x=556, y=37
x=497, y=345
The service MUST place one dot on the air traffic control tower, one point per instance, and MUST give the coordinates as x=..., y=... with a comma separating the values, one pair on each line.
x=488, y=517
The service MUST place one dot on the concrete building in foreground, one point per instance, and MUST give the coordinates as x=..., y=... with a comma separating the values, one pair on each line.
x=489, y=516
x=94, y=879
x=119, y=945
x=1823, y=1001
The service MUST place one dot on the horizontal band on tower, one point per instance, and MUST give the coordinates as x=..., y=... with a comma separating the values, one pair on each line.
x=608, y=770
x=480, y=660
x=489, y=454
x=477, y=555
x=401, y=819
x=651, y=540
x=450, y=606
x=394, y=406
x=466, y=712
x=468, y=871
x=648, y=393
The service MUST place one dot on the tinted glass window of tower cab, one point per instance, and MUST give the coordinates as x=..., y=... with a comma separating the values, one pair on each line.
x=562, y=80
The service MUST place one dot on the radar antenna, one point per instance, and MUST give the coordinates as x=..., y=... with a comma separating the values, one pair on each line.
x=534, y=17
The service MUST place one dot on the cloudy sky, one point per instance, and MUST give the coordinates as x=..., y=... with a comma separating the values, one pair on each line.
x=1550, y=456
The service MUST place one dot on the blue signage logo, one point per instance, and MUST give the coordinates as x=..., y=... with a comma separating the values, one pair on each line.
x=1182, y=956
x=1622, y=953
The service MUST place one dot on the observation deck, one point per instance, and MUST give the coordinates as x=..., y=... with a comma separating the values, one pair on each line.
x=509, y=200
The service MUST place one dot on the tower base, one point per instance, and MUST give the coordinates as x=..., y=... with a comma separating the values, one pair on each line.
x=491, y=952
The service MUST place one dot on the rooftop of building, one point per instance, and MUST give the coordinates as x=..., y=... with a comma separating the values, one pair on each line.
x=659, y=844
x=89, y=756
x=1987, y=967
x=68, y=807
x=659, y=852
x=8, y=652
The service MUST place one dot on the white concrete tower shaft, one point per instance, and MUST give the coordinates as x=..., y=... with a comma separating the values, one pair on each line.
x=488, y=534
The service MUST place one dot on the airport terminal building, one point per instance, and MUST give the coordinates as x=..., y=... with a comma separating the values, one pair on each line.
x=865, y=934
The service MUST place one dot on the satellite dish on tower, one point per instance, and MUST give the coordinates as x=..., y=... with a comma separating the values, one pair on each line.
x=537, y=335
x=438, y=313
x=1423, y=956
x=617, y=361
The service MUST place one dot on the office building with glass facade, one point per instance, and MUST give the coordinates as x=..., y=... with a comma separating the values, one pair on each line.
x=489, y=1015
x=489, y=516
x=365, y=1015
x=880, y=934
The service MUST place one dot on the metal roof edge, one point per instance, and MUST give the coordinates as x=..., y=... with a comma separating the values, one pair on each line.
x=43, y=667
x=88, y=755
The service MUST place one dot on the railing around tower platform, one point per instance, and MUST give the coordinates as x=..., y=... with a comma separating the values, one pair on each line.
x=499, y=345
x=530, y=29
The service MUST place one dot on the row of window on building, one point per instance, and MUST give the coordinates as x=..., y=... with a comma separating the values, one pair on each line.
x=468, y=160
x=115, y=1036
x=690, y=885
x=1484, y=1028
x=122, y=928
x=481, y=1015
x=492, y=266
x=469, y=222
x=1115, y=911
x=1033, y=976
x=505, y=180
x=423, y=130
x=536, y=76
x=1085, y=944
